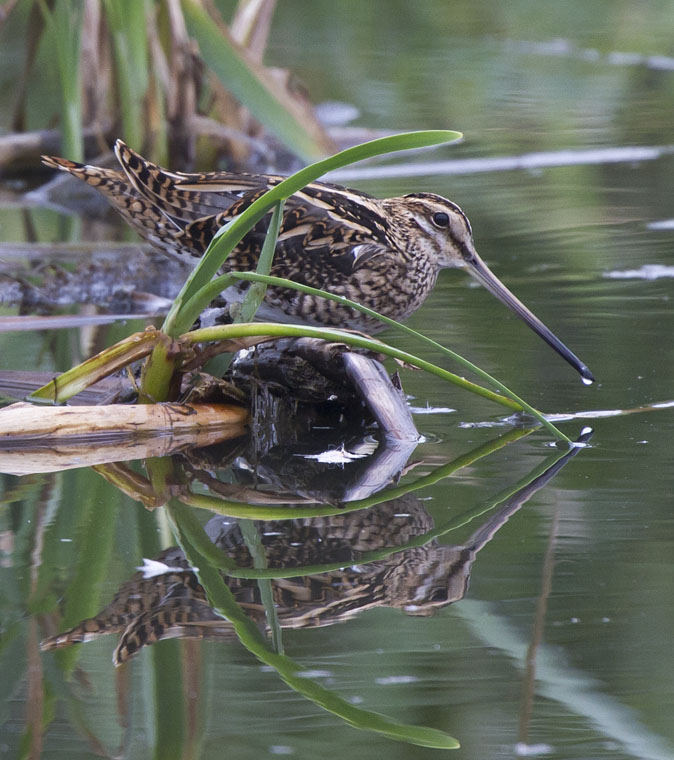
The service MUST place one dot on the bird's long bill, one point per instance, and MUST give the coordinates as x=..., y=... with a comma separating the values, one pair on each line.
x=479, y=270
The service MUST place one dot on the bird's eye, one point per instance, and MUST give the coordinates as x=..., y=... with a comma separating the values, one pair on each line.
x=441, y=219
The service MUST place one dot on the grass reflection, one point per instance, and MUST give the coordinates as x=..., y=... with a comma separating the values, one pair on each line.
x=223, y=601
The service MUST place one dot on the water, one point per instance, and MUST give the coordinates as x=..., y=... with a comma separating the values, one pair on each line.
x=561, y=647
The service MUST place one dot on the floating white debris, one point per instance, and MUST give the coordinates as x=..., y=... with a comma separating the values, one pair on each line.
x=152, y=568
x=340, y=455
x=532, y=750
x=660, y=62
x=388, y=680
x=315, y=673
x=566, y=48
x=646, y=272
x=618, y=58
x=485, y=424
x=591, y=414
x=665, y=224
x=663, y=405
x=335, y=113
x=432, y=410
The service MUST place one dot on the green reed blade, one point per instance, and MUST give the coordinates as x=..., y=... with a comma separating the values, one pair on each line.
x=127, y=23
x=253, y=298
x=63, y=23
x=226, y=332
x=258, y=289
x=257, y=552
x=201, y=299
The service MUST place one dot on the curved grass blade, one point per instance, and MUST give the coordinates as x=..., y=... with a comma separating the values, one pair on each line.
x=201, y=299
x=222, y=561
x=519, y=492
x=275, y=329
x=225, y=332
x=259, y=512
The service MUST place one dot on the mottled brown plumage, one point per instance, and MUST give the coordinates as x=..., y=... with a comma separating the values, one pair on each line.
x=385, y=254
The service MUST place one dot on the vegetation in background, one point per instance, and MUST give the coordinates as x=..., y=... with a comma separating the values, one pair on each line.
x=162, y=74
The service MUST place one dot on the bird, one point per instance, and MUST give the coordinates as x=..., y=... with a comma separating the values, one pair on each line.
x=385, y=254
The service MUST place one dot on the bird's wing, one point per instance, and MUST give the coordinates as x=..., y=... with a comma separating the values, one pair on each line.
x=312, y=247
x=187, y=197
x=327, y=230
x=322, y=222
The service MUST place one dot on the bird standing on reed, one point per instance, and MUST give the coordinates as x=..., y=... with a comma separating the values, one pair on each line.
x=385, y=254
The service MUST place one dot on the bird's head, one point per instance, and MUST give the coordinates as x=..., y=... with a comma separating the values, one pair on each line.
x=435, y=228
x=438, y=231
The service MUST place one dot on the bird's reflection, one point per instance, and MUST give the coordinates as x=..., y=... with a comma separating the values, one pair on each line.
x=165, y=600
x=332, y=567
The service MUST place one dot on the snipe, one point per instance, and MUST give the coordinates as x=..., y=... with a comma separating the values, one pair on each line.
x=385, y=254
